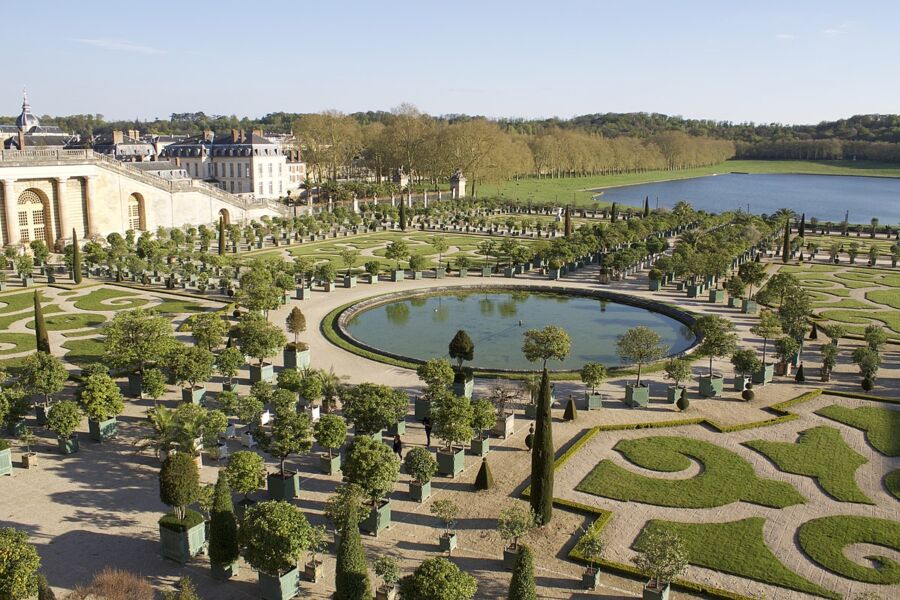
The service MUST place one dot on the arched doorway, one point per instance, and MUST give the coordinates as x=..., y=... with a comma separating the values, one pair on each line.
x=135, y=214
x=226, y=218
x=33, y=213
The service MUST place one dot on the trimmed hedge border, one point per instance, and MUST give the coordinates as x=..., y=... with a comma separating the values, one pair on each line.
x=602, y=517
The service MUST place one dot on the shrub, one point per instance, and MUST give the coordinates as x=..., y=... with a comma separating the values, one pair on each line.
x=420, y=464
x=179, y=483
x=44, y=373
x=63, y=418
x=114, y=584
x=664, y=557
x=451, y=417
x=593, y=374
x=186, y=590
x=331, y=431
x=246, y=472
x=223, y=532
x=438, y=579
x=351, y=571
x=373, y=407
x=446, y=511
x=484, y=480
x=191, y=364
x=19, y=564
x=461, y=348
x=521, y=586
x=101, y=398
x=484, y=416
x=373, y=467
x=514, y=523
x=387, y=568
x=274, y=536
x=640, y=345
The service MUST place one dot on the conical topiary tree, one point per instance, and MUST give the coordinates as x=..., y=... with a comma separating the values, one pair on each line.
x=352, y=571
x=484, y=480
x=223, y=532
x=571, y=412
x=402, y=214
x=76, y=259
x=542, y=457
x=521, y=587
x=799, y=377
x=40, y=327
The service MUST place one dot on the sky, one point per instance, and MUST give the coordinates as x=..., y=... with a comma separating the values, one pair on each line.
x=790, y=61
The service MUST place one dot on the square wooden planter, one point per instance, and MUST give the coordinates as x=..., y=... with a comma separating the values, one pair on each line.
x=673, y=393
x=385, y=592
x=653, y=593
x=378, y=520
x=266, y=372
x=419, y=493
x=313, y=571
x=330, y=466
x=67, y=446
x=451, y=463
x=590, y=578
x=711, y=387
x=102, y=430
x=509, y=557
x=279, y=587
x=637, y=395
x=505, y=426
x=6, y=462
x=135, y=383
x=593, y=401
x=193, y=395
x=749, y=307
x=349, y=281
x=422, y=407
x=182, y=545
x=463, y=386
x=295, y=359
x=480, y=447
x=764, y=375
x=448, y=542
x=398, y=275
x=398, y=427
x=224, y=572
x=283, y=487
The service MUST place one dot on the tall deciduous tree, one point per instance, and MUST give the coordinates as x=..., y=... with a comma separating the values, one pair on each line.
x=136, y=338
x=551, y=342
x=640, y=345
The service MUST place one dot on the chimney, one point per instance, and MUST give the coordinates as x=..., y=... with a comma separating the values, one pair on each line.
x=134, y=134
x=207, y=135
x=21, y=139
x=118, y=137
x=236, y=135
x=257, y=132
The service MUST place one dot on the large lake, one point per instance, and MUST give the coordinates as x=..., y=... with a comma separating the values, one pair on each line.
x=422, y=327
x=825, y=197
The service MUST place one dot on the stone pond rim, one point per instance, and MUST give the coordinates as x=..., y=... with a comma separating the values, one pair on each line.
x=336, y=321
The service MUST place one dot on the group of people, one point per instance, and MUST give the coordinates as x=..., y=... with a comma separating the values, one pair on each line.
x=398, y=443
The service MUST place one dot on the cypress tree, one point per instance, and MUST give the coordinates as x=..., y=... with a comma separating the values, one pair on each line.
x=352, y=573
x=613, y=213
x=802, y=229
x=223, y=533
x=568, y=221
x=76, y=258
x=542, y=457
x=571, y=411
x=521, y=587
x=647, y=206
x=221, y=236
x=40, y=327
x=786, y=248
x=484, y=480
x=402, y=214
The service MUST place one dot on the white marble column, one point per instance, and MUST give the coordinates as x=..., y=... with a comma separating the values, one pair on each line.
x=61, y=183
x=12, y=217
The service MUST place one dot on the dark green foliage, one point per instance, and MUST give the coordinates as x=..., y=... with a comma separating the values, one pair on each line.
x=76, y=258
x=567, y=226
x=223, y=534
x=402, y=214
x=799, y=377
x=542, y=457
x=484, y=480
x=45, y=592
x=438, y=579
x=191, y=519
x=352, y=571
x=647, y=206
x=814, y=333
x=521, y=587
x=179, y=482
x=613, y=212
x=682, y=403
x=221, y=236
x=786, y=247
x=19, y=564
x=462, y=348
x=571, y=411
x=40, y=327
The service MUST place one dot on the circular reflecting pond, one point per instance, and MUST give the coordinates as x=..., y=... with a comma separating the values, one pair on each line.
x=421, y=327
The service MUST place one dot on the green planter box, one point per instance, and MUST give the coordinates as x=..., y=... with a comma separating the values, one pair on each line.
x=440, y=273
x=230, y=387
x=67, y=446
x=509, y=272
x=764, y=375
x=349, y=281
x=40, y=414
x=735, y=302
x=102, y=430
x=694, y=290
x=373, y=278
x=652, y=593
x=711, y=387
x=486, y=271
x=6, y=462
x=295, y=359
x=283, y=587
x=398, y=275
x=224, y=572
x=673, y=393
x=749, y=307
x=451, y=463
x=448, y=542
x=590, y=578
x=593, y=401
x=193, y=395
x=637, y=395
x=135, y=382
x=740, y=382
x=182, y=545
x=378, y=520
x=554, y=274
x=463, y=272
x=417, y=275
x=463, y=387
x=330, y=466
x=422, y=407
x=717, y=296
x=283, y=488
x=654, y=285
x=509, y=557
x=303, y=293
x=480, y=447
x=398, y=427
x=266, y=372
x=419, y=493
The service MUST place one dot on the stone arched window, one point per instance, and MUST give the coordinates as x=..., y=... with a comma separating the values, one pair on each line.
x=135, y=214
x=33, y=214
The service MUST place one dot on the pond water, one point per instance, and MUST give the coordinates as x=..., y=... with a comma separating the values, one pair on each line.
x=826, y=197
x=422, y=327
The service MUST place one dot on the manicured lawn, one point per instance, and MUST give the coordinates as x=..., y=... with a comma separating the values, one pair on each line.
x=82, y=352
x=7, y=320
x=21, y=342
x=15, y=302
x=882, y=425
x=825, y=539
x=109, y=299
x=174, y=307
x=892, y=483
x=821, y=453
x=68, y=321
x=725, y=476
x=737, y=548
x=885, y=297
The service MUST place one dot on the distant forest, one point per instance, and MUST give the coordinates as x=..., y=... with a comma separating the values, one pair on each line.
x=496, y=149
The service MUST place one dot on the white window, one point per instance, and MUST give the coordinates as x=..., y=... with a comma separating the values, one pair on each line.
x=270, y=169
x=260, y=188
x=279, y=169
x=260, y=169
x=270, y=188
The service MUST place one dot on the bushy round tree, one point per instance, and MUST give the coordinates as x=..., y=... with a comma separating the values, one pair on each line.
x=373, y=467
x=438, y=579
x=179, y=483
x=373, y=407
x=19, y=564
x=330, y=432
x=274, y=535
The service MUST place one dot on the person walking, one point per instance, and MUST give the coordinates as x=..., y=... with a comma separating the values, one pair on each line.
x=427, y=423
x=398, y=446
